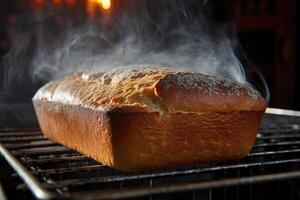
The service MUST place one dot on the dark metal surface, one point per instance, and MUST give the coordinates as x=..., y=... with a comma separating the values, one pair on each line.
x=51, y=170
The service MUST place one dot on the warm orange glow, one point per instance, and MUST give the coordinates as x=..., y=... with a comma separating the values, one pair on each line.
x=56, y=3
x=93, y=6
x=105, y=4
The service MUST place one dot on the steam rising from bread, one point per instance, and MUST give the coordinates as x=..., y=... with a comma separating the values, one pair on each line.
x=176, y=39
x=168, y=35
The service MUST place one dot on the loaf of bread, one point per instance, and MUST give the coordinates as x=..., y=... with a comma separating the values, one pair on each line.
x=140, y=118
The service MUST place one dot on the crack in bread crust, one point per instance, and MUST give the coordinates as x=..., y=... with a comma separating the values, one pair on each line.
x=152, y=90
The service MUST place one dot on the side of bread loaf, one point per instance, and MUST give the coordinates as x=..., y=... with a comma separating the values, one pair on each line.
x=137, y=119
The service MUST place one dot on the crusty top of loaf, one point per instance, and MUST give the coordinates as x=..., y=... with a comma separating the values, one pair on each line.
x=152, y=89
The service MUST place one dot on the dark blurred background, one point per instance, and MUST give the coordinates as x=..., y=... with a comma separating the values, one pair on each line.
x=266, y=29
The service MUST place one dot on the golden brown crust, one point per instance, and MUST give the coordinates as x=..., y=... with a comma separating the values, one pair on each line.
x=195, y=92
x=141, y=141
x=141, y=119
x=152, y=90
